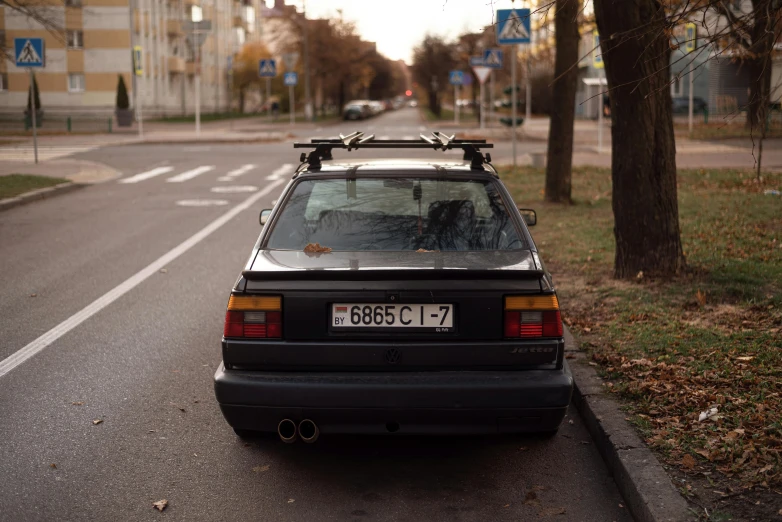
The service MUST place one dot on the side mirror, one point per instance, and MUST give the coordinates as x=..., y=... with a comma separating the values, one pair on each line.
x=264, y=216
x=529, y=215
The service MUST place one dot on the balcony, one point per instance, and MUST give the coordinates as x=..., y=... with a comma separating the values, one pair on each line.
x=190, y=68
x=176, y=65
x=174, y=27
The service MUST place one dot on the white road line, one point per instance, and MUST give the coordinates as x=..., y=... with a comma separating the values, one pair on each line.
x=237, y=172
x=19, y=357
x=146, y=175
x=190, y=174
x=279, y=173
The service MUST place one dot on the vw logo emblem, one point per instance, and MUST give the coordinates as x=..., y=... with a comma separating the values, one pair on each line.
x=393, y=355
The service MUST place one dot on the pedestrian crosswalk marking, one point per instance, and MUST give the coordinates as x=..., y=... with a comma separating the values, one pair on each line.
x=146, y=175
x=237, y=172
x=190, y=174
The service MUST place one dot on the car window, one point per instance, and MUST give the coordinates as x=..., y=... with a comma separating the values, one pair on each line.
x=395, y=214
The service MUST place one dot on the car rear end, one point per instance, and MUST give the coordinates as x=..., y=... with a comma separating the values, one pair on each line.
x=418, y=341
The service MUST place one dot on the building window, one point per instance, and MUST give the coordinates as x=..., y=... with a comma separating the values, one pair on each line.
x=73, y=3
x=677, y=86
x=3, y=82
x=76, y=82
x=75, y=39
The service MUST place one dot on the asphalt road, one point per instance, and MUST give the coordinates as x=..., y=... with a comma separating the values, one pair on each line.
x=137, y=349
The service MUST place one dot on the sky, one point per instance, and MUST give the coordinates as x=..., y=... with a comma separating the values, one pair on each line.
x=399, y=25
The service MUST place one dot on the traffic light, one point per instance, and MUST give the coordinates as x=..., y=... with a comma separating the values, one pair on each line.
x=408, y=92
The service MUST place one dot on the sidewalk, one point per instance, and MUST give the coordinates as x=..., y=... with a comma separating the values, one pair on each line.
x=77, y=171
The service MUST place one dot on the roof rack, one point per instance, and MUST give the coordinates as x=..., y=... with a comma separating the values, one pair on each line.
x=357, y=140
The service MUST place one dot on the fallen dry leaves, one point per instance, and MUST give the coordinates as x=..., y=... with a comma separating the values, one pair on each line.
x=97, y=421
x=160, y=505
x=261, y=469
x=316, y=248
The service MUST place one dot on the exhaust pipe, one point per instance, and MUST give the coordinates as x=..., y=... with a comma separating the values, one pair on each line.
x=308, y=431
x=286, y=429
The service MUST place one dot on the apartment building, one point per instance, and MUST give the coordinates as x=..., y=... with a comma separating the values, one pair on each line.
x=85, y=59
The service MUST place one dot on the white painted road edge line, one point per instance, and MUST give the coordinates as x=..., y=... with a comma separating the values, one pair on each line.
x=36, y=346
x=190, y=174
x=146, y=175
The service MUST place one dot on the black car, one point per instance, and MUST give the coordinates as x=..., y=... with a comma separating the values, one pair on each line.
x=681, y=105
x=394, y=297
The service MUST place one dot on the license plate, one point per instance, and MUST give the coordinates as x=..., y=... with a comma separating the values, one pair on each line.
x=435, y=317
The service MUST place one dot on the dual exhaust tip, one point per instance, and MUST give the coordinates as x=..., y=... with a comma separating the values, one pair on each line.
x=306, y=430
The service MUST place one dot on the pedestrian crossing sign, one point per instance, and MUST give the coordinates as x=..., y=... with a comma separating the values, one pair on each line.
x=492, y=58
x=291, y=79
x=138, y=61
x=267, y=68
x=29, y=52
x=456, y=77
x=513, y=26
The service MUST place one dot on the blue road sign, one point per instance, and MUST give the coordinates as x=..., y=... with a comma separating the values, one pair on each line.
x=492, y=58
x=267, y=69
x=29, y=52
x=456, y=77
x=476, y=61
x=513, y=26
x=291, y=78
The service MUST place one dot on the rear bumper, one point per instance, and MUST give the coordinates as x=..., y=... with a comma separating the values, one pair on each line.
x=468, y=402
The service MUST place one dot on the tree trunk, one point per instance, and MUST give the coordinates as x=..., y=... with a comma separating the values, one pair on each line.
x=434, y=105
x=560, y=136
x=636, y=52
x=759, y=68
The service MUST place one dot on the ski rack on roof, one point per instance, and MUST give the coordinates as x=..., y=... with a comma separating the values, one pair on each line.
x=357, y=140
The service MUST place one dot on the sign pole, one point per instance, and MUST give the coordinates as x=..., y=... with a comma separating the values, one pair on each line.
x=691, y=97
x=513, y=100
x=600, y=109
x=456, y=105
x=268, y=98
x=293, y=105
x=483, y=108
x=491, y=95
x=198, y=92
x=529, y=85
x=33, y=108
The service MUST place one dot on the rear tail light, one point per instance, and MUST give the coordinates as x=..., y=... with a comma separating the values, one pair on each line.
x=532, y=316
x=254, y=317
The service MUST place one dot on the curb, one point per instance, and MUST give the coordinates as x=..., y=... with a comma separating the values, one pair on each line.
x=37, y=194
x=646, y=487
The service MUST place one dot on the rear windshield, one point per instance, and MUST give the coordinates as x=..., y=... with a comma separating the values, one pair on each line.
x=395, y=214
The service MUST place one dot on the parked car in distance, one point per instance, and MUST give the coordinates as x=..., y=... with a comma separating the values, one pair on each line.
x=376, y=107
x=356, y=110
x=412, y=103
x=681, y=105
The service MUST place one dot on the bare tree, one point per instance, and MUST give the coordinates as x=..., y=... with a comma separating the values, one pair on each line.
x=636, y=50
x=432, y=59
x=38, y=12
x=560, y=139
